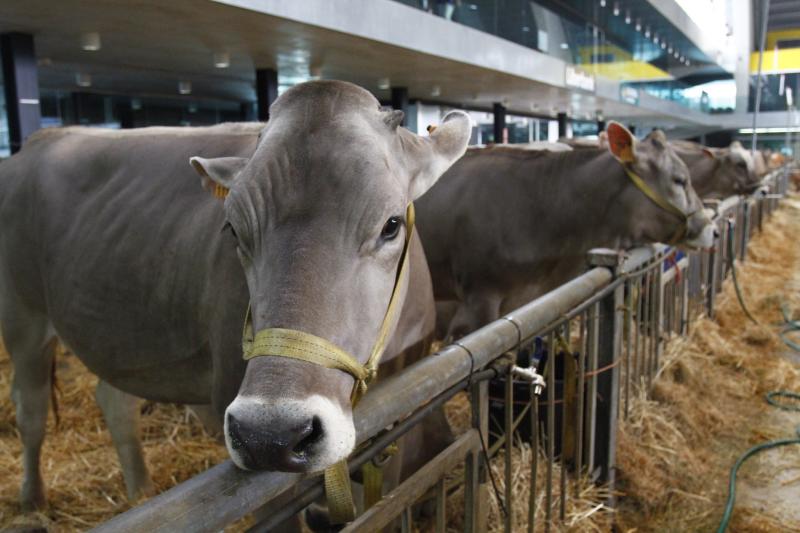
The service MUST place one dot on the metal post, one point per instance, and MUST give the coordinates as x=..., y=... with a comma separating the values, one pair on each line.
x=477, y=490
x=400, y=102
x=609, y=333
x=500, y=132
x=763, y=37
x=266, y=91
x=562, y=125
x=21, y=84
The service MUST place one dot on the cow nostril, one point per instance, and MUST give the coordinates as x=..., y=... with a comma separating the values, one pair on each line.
x=716, y=233
x=314, y=434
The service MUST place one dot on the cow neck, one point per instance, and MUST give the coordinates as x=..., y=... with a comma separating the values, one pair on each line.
x=589, y=205
x=703, y=171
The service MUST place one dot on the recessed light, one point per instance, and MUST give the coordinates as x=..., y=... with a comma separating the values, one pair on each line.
x=564, y=46
x=222, y=60
x=627, y=17
x=647, y=32
x=384, y=83
x=90, y=41
x=436, y=90
x=185, y=87
x=83, y=79
x=616, y=9
x=638, y=25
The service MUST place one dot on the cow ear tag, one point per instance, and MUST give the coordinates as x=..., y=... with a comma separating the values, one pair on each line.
x=220, y=191
x=217, y=175
x=620, y=142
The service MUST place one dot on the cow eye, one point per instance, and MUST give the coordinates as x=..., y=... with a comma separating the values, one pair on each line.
x=681, y=182
x=742, y=165
x=391, y=228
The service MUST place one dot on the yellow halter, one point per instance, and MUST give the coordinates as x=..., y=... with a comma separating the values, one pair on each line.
x=293, y=344
x=661, y=202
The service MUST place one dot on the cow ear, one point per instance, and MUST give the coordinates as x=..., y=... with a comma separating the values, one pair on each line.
x=427, y=158
x=621, y=142
x=218, y=174
x=709, y=153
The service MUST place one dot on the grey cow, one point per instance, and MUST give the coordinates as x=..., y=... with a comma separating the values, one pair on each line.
x=504, y=226
x=718, y=173
x=110, y=243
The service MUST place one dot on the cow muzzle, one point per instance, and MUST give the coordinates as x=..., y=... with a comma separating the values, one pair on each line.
x=703, y=231
x=288, y=436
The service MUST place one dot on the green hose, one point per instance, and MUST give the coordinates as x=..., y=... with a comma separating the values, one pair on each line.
x=726, y=516
x=732, y=266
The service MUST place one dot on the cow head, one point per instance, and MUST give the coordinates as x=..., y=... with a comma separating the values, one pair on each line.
x=735, y=172
x=655, y=162
x=317, y=218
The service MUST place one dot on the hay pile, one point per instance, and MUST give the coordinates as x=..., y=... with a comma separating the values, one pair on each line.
x=707, y=407
x=79, y=463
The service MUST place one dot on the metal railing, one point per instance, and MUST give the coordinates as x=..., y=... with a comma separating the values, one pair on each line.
x=596, y=340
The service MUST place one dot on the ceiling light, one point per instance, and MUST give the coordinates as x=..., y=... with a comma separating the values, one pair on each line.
x=222, y=60
x=436, y=90
x=676, y=54
x=90, y=41
x=638, y=25
x=663, y=45
x=83, y=79
x=616, y=9
x=627, y=17
x=136, y=104
x=669, y=50
x=688, y=63
x=564, y=46
x=655, y=38
x=602, y=3
x=185, y=87
x=647, y=32
x=384, y=83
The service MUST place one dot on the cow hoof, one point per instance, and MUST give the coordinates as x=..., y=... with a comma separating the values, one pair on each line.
x=32, y=497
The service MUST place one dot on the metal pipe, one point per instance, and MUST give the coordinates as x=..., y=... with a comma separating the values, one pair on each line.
x=763, y=36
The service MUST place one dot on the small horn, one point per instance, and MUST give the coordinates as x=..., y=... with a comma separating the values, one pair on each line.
x=393, y=118
x=431, y=128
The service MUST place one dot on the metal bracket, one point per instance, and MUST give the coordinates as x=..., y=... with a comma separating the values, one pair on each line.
x=606, y=257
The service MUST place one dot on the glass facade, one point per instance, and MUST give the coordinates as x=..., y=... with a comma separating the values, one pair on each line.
x=779, y=92
x=631, y=43
x=63, y=108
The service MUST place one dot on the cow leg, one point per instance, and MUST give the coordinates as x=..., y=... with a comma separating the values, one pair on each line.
x=121, y=413
x=210, y=419
x=30, y=342
x=476, y=310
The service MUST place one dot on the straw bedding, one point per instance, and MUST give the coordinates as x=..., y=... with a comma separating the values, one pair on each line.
x=707, y=407
x=674, y=450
